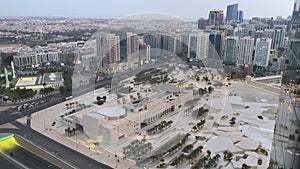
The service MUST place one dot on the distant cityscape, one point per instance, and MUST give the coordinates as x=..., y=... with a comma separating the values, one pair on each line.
x=151, y=91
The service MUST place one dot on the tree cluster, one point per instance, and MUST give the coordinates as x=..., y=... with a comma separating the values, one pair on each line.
x=160, y=127
x=137, y=148
x=205, y=90
x=100, y=100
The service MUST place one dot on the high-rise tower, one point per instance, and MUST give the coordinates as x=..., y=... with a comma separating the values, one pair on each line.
x=216, y=18
x=297, y=5
x=245, y=50
x=241, y=16
x=296, y=14
x=286, y=141
x=262, y=52
x=216, y=43
x=230, y=50
x=202, y=23
x=108, y=50
x=278, y=36
x=232, y=13
x=133, y=42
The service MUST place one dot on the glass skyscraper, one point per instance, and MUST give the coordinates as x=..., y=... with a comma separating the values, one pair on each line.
x=232, y=13
x=296, y=12
x=231, y=44
x=286, y=143
x=215, y=47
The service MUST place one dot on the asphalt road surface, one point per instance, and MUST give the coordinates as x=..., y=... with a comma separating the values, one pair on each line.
x=60, y=151
x=7, y=164
x=27, y=158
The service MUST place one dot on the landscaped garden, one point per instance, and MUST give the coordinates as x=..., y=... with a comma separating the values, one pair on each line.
x=159, y=127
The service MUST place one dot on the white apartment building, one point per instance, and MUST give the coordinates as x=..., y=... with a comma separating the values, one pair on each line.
x=133, y=42
x=128, y=114
x=278, y=36
x=245, y=50
x=262, y=52
x=198, y=46
x=144, y=53
x=36, y=56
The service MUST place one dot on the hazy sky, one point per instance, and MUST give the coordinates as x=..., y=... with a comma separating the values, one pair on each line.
x=119, y=8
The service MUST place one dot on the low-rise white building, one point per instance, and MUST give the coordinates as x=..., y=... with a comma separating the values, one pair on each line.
x=128, y=114
x=36, y=56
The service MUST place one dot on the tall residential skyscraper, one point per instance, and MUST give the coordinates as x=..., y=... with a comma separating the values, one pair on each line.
x=232, y=13
x=178, y=49
x=164, y=42
x=198, y=46
x=262, y=52
x=230, y=50
x=194, y=46
x=108, y=50
x=144, y=53
x=278, y=36
x=158, y=41
x=216, y=18
x=171, y=43
x=149, y=39
x=132, y=46
x=184, y=44
x=215, y=47
x=245, y=50
x=204, y=45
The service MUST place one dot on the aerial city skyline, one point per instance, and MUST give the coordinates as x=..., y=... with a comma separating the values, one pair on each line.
x=115, y=9
x=130, y=84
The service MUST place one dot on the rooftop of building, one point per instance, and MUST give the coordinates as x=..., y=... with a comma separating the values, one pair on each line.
x=52, y=77
x=28, y=81
x=112, y=111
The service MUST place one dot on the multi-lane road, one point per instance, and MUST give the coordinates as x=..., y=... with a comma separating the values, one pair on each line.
x=24, y=159
x=7, y=163
x=58, y=150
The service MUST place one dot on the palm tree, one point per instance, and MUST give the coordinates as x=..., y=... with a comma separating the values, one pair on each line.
x=148, y=146
x=98, y=98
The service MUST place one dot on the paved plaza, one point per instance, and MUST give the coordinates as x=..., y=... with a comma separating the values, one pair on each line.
x=237, y=100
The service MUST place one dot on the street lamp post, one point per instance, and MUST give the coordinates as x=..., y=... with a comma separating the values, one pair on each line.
x=117, y=160
x=45, y=125
x=76, y=142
